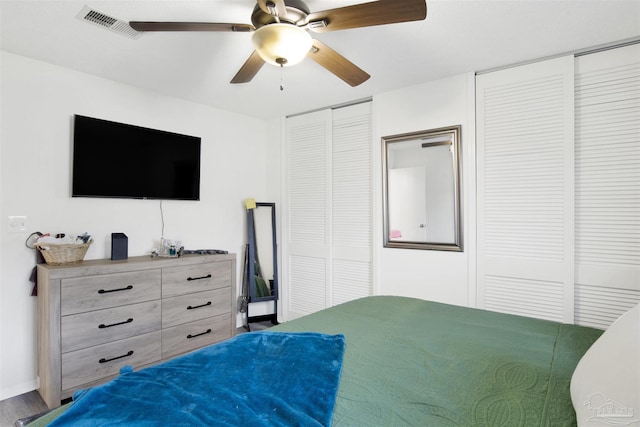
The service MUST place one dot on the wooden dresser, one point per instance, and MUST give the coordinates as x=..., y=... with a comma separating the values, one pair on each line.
x=99, y=315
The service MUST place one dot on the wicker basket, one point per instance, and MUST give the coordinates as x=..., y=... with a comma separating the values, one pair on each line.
x=63, y=254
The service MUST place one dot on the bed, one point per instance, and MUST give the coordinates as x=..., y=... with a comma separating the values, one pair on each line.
x=415, y=363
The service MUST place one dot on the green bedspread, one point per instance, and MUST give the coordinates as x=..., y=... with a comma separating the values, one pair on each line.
x=410, y=362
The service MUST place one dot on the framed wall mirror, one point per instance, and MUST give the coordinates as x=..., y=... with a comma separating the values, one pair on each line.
x=421, y=190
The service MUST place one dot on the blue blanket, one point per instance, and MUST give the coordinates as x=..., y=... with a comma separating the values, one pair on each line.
x=256, y=379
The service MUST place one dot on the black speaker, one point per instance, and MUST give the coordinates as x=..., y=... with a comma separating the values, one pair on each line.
x=119, y=246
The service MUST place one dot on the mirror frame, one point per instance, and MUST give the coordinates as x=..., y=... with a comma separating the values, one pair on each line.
x=387, y=141
x=252, y=254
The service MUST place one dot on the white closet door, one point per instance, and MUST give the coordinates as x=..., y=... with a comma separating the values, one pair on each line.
x=308, y=140
x=525, y=190
x=329, y=208
x=352, y=201
x=607, y=199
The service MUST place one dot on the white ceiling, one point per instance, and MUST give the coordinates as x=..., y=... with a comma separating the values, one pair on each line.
x=457, y=37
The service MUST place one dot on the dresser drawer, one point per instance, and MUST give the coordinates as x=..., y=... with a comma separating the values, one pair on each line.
x=80, y=294
x=90, y=364
x=190, y=336
x=196, y=306
x=111, y=324
x=194, y=278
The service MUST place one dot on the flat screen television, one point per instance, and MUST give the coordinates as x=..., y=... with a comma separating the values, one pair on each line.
x=120, y=160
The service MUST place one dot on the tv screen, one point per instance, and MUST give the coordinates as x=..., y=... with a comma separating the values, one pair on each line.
x=119, y=160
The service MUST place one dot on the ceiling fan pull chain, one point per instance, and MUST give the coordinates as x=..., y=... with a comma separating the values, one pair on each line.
x=281, y=77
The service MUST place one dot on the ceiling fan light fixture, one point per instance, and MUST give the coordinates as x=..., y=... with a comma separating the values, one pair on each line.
x=281, y=44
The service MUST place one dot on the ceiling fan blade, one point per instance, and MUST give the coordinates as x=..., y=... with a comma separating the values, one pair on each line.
x=189, y=26
x=337, y=64
x=368, y=14
x=273, y=7
x=249, y=69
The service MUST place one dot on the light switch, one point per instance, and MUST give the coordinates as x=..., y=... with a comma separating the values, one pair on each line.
x=17, y=224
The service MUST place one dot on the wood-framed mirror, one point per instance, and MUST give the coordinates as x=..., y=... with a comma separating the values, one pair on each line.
x=421, y=190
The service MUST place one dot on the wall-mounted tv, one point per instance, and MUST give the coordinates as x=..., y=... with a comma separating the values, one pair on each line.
x=120, y=160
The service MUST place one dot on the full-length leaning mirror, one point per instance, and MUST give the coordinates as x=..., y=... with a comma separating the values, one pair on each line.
x=262, y=252
x=260, y=276
x=421, y=190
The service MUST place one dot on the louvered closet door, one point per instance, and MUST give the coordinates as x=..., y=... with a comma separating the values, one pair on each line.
x=329, y=208
x=525, y=190
x=351, y=203
x=307, y=216
x=607, y=199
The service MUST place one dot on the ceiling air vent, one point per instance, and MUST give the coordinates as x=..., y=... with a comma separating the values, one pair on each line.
x=116, y=25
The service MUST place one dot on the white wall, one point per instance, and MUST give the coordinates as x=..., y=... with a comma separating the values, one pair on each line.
x=38, y=101
x=273, y=172
x=434, y=275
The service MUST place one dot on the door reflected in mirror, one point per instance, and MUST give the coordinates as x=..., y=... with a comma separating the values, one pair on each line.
x=421, y=190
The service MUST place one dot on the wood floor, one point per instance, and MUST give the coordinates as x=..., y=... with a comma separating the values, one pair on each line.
x=29, y=404
x=22, y=406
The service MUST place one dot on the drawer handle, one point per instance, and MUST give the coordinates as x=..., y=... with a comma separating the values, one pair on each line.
x=102, y=325
x=208, y=331
x=102, y=291
x=208, y=276
x=198, y=306
x=103, y=360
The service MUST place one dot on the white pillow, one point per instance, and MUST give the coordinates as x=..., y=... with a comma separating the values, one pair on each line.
x=605, y=387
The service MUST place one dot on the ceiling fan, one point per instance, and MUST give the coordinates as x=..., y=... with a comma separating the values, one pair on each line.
x=281, y=32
